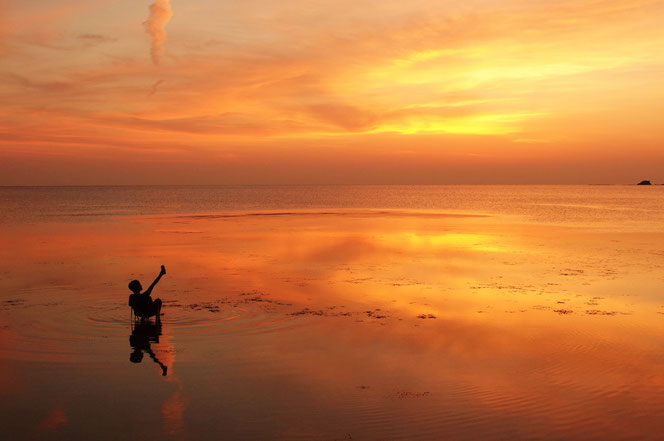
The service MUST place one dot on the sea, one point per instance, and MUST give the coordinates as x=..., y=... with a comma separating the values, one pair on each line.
x=336, y=312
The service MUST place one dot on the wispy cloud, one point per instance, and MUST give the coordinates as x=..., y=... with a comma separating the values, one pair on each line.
x=155, y=25
x=96, y=38
x=154, y=87
x=579, y=73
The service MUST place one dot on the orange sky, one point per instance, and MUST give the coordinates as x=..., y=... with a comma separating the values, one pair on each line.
x=321, y=91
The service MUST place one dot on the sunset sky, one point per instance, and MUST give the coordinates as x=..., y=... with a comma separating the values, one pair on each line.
x=321, y=91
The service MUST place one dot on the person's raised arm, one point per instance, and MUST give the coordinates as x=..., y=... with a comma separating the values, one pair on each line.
x=161, y=273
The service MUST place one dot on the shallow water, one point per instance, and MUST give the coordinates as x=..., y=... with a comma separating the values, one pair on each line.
x=322, y=313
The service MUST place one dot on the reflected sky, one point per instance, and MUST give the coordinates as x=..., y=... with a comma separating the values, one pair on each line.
x=377, y=325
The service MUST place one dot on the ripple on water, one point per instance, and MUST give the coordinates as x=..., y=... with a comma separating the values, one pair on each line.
x=72, y=331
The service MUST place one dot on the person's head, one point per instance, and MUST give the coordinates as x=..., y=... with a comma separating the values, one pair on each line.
x=136, y=356
x=135, y=286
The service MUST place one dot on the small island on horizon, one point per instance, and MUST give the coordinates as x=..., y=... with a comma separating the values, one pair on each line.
x=644, y=183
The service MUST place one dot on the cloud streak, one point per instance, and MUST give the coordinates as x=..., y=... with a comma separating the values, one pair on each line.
x=378, y=84
x=155, y=26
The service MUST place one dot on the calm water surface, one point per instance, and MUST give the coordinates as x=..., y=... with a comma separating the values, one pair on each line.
x=334, y=313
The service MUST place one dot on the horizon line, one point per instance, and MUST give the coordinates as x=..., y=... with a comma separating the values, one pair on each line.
x=318, y=185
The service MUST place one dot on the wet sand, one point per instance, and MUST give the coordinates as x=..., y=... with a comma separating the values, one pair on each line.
x=335, y=324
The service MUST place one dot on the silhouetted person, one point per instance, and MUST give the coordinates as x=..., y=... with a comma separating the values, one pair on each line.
x=141, y=336
x=141, y=302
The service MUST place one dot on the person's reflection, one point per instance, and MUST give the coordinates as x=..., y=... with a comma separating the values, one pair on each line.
x=142, y=335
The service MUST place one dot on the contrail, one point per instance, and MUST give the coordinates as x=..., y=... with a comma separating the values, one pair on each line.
x=155, y=25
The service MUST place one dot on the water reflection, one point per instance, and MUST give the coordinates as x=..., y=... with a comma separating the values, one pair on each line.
x=143, y=334
x=432, y=327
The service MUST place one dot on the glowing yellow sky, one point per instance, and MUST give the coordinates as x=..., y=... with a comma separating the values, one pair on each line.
x=320, y=91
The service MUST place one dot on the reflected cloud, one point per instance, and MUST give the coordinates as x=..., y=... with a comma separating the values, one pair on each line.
x=55, y=418
x=172, y=411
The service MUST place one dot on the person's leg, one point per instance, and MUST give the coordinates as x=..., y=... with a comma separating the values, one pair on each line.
x=157, y=306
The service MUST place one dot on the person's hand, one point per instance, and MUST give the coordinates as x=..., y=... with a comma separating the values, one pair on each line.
x=163, y=270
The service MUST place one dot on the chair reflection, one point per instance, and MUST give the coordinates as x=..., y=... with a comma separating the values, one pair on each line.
x=143, y=334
